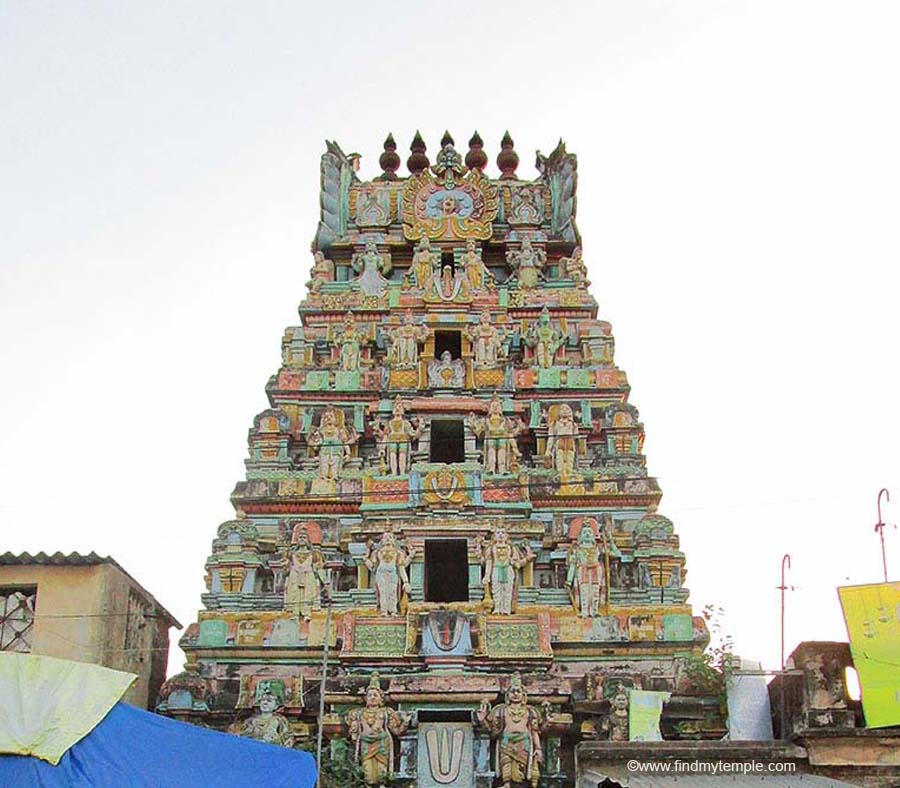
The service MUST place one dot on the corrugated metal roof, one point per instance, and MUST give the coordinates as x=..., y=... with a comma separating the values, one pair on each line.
x=620, y=777
x=77, y=559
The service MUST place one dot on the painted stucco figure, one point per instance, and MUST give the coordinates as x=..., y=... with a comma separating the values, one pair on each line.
x=405, y=339
x=305, y=574
x=370, y=264
x=332, y=442
x=587, y=570
x=424, y=265
x=372, y=730
x=527, y=261
x=545, y=339
x=502, y=560
x=388, y=561
x=487, y=341
x=394, y=437
x=562, y=441
x=501, y=453
x=478, y=275
x=267, y=724
x=350, y=338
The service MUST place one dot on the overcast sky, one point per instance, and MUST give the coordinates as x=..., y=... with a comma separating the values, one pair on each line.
x=738, y=200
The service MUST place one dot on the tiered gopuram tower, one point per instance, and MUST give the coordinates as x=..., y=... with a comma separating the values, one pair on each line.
x=449, y=452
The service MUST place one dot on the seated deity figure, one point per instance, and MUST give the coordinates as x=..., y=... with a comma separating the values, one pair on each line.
x=305, y=568
x=501, y=561
x=389, y=561
x=528, y=262
x=562, y=441
x=351, y=338
x=405, y=340
x=517, y=727
x=322, y=272
x=266, y=724
x=488, y=341
x=478, y=275
x=394, y=439
x=446, y=372
x=372, y=729
x=425, y=263
x=370, y=264
x=332, y=442
x=586, y=571
x=501, y=453
x=574, y=268
x=545, y=339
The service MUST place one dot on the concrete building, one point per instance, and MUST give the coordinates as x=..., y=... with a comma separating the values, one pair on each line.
x=85, y=608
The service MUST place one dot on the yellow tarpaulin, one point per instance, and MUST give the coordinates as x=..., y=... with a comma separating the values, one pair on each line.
x=644, y=711
x=872, y=614
x=47, y=705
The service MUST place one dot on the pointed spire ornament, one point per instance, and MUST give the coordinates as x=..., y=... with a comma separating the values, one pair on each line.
x=507, y=159
x=417, y=161
x=389, y=161
x=447, y=139
x=476, y=158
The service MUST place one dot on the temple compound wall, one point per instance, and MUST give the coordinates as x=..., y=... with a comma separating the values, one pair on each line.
x=448, y=489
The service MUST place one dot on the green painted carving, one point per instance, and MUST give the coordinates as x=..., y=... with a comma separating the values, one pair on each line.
x=535, y=415
x=503, y=294
x=678, y=626
x=381, y=638
x=517, y=638
x=213, y=633
x=346, y=380
x=579, y=379
x=316, y=380
x=549, y=379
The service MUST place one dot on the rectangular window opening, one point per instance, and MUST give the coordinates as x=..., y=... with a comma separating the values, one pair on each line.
x=448, y=340
x=447, y=441
x=446, y=570
x=17, y=606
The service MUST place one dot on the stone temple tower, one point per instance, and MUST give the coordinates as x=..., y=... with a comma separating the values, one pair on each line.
x=448, y=486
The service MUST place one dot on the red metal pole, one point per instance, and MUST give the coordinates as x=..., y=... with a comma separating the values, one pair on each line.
x=880, y=528
x=786, y=559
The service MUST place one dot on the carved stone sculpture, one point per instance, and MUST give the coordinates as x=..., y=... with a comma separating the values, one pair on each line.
x=370, y=264
x=501, y=561
x=394, y=438
x=351, y=339
x=332, y=441
x=304, y=578
x=488, y=342
x=322, y=272
x=446, y=372
x=517, y=728
x=389, y=561
x=478, y=275
x=372, y=730
x=616, y=724
x=501, y=453
x=425, y=263
x=545, y=339
x=574, y=268
x=562, y=441
x=405, y=340
x=586, y=575
x=266, y=724
x=527, y=261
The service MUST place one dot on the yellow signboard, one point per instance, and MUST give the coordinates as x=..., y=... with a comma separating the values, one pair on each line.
x=872, y=614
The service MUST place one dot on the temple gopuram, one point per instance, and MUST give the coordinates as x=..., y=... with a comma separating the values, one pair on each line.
x=448, y=491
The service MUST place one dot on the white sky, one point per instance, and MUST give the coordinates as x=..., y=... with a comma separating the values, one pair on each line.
x=738, y=201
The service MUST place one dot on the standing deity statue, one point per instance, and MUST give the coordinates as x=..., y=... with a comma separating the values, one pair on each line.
x=562, y=441
x=528, y=262
x=502, y=560
x=372, y=729
x=266, y=724
x=332, y=441
x=425, y=263
x=545, y=339
x=478, y=275
x=322, y=272
x=488, y=341
x=394, y=439
x=517, y=728
x=501, y=453
x=389, y=561
x=370, y=264
x=615, y=726
x=304, y=580
x=405, y=340
x=351, y=339
x=587, y=574
x=574, y=268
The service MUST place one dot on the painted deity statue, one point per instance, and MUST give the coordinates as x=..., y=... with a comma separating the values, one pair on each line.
x=372, y=730
x=332, y=442
x=528, y=262
x=562, y=441
x=266, y=724
x=586, y=574
x=389, y=561
x=478, y=275
x=394, y=438
x=545, y=339
x=501, y=453
x=304, y=579
x=370, y=264
x=447, y=372
x=405, y=340
x=322, y=272
x=574, y=268
x=488, y=341
x=615, y=726
x=517, y=728
x=351, y=338
x=424, y=263
x=501, y=561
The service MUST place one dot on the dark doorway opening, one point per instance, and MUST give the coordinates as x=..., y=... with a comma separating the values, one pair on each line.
x=447, y=260
x=447, y=441
x=448, y=340
x=446, y=570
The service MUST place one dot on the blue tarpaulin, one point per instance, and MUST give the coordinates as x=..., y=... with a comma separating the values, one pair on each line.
x=131, y=748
